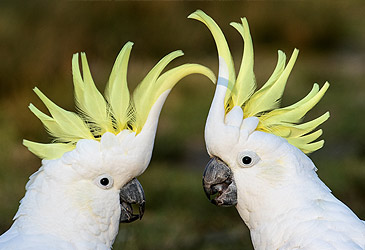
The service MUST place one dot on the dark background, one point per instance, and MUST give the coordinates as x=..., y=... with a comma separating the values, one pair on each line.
x=37, y=40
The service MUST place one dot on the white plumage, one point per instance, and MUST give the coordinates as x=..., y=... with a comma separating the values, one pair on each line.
x=284, y=203
x=86, y=184
x=259, y=163
x=64, y=207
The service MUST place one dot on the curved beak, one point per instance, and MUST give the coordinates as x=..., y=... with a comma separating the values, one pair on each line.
x=218, y=180
x=132, y=193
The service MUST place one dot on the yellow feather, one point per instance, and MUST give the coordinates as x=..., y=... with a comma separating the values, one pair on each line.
x=50, y=124
x=168, y=79
x=271, y=95
x=304, y=128
x=311, y=147
x=305, y=139
x=295, y=113
x=78, y=82
x=70, y=125
x=245, y=84
x=165, y=82
x=280, y=66
x=116, y=92
x=222, y=46
x=142, y=101
x=261, y=100
x=282, y=122
x=314, y=91
x=292, y=130
x=264, y=103
x=90, y=101
x=48, y=151
x=114, y=114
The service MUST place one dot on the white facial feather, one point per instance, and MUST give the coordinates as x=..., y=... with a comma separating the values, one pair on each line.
x=279, y=195
x=68, y=186
x=63, y=200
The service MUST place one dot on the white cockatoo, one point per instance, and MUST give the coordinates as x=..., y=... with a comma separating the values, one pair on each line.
x=87, y=183
x=258, y=157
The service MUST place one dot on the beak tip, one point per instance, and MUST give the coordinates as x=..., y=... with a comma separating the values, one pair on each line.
x=142, y=209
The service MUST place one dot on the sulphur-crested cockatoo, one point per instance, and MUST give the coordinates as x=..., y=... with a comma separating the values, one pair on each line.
x=87, y=183
x=258, y=157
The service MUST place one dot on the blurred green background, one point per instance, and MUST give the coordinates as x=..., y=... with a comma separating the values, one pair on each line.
x=37, y=40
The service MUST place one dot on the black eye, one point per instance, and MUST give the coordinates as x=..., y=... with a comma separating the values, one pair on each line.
x=246, y=160
x=104, y=181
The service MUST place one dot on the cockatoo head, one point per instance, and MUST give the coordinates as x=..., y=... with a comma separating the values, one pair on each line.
x=97, y=153
x=250, y=139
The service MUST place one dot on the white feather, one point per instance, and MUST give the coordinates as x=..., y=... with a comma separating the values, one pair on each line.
x=64, y=209
x=282, y=200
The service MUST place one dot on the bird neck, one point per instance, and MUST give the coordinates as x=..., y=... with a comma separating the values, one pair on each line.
x=269, y=215
x=46, y=209
x=275, y=215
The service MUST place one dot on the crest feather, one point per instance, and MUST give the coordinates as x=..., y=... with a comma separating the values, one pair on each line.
x=222, y=46
x=145, y=93
x=89, y=101
x=245, y=83
x=114, y=113
x=269, y=96
x=67, y=126
x=48, y=150
x=116, y=92
x=163, y=83
x=295, y=112
x=264, y=103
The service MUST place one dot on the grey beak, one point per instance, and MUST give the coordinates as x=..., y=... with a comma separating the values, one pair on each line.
x=131, y=193
x=218, y=179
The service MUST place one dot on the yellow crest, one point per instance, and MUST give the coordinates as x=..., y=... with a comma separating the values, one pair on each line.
x=264, y=103
x=114, y=113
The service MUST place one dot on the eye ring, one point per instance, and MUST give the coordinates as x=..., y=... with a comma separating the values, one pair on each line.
x=104, y=181
x=247, y=159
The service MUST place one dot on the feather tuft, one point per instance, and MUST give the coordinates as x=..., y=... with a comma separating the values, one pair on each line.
x=222, y=47
x=114, y=113
x=265, y=103
x=116, y=92
x=48, y=151
x=245, y=83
